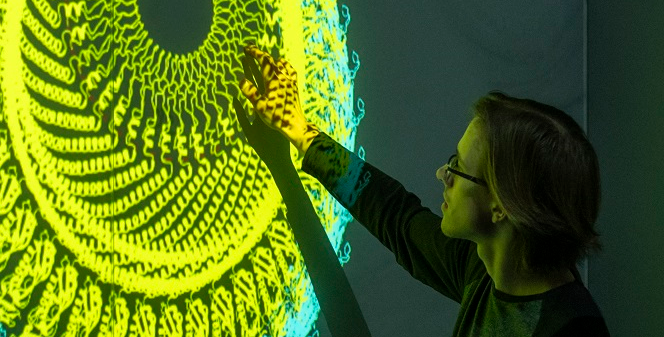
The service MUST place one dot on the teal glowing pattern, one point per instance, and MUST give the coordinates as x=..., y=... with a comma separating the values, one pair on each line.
x=130, y=204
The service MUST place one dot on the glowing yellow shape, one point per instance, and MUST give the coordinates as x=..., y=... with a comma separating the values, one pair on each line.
x=138, y=172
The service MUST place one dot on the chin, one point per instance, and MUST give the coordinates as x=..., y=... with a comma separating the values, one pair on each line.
x=443, y=228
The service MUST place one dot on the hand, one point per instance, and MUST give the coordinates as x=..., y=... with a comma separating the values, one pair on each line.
x=279, y=106
x=269, y=144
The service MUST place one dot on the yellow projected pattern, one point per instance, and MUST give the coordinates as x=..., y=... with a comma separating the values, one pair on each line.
x=129, y=203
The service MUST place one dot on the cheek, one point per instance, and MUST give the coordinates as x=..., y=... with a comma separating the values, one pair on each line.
x=482, y=224
x=466, y=219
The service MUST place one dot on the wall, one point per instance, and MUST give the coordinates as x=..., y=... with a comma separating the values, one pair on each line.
x=417, y=80
x=423, y=65
x=626, y=117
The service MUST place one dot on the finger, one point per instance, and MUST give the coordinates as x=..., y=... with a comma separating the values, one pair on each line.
x=264, y=59
x=254, y=73
x=290, y=70
x=250, y=91
x=281, y=66
x=246, y=67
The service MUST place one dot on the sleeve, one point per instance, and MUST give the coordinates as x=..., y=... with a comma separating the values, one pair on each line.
x=393, y=215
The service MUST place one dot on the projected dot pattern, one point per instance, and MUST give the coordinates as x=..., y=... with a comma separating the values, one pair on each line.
x=129, y=203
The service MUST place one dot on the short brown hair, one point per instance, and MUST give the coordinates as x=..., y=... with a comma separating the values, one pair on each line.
x=544, y=172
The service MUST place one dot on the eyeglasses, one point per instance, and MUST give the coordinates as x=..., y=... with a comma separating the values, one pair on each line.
x=452, y=162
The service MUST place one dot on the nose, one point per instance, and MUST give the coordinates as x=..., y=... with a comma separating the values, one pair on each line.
x=440, y=174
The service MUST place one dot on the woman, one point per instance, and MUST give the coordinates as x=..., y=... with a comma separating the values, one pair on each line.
x=522, y=194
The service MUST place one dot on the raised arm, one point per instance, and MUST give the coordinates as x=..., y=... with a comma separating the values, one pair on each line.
x=275, y=100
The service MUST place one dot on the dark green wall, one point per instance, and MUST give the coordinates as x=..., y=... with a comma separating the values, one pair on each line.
x=626, y=120
x=416, y=67
x=423, y=63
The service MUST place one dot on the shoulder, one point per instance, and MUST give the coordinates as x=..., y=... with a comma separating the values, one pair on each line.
x=590, y=326
x=571, y=311
x=573, y=299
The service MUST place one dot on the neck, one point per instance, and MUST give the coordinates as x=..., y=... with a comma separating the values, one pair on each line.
x=502, y=269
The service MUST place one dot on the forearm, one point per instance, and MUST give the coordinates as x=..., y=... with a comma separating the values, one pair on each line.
x=333, y=291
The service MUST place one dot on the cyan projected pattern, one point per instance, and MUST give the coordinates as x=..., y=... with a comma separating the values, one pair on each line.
x=130, y=205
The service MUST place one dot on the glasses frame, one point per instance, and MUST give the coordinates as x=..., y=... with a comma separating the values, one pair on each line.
x=449, y=170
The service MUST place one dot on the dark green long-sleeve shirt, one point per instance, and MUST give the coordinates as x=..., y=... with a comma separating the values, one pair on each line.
x=450, y=266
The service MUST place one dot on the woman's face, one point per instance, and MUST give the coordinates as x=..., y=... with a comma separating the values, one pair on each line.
x=467, y=214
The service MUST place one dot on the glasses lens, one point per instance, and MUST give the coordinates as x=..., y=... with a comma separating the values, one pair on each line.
x=450, y=163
